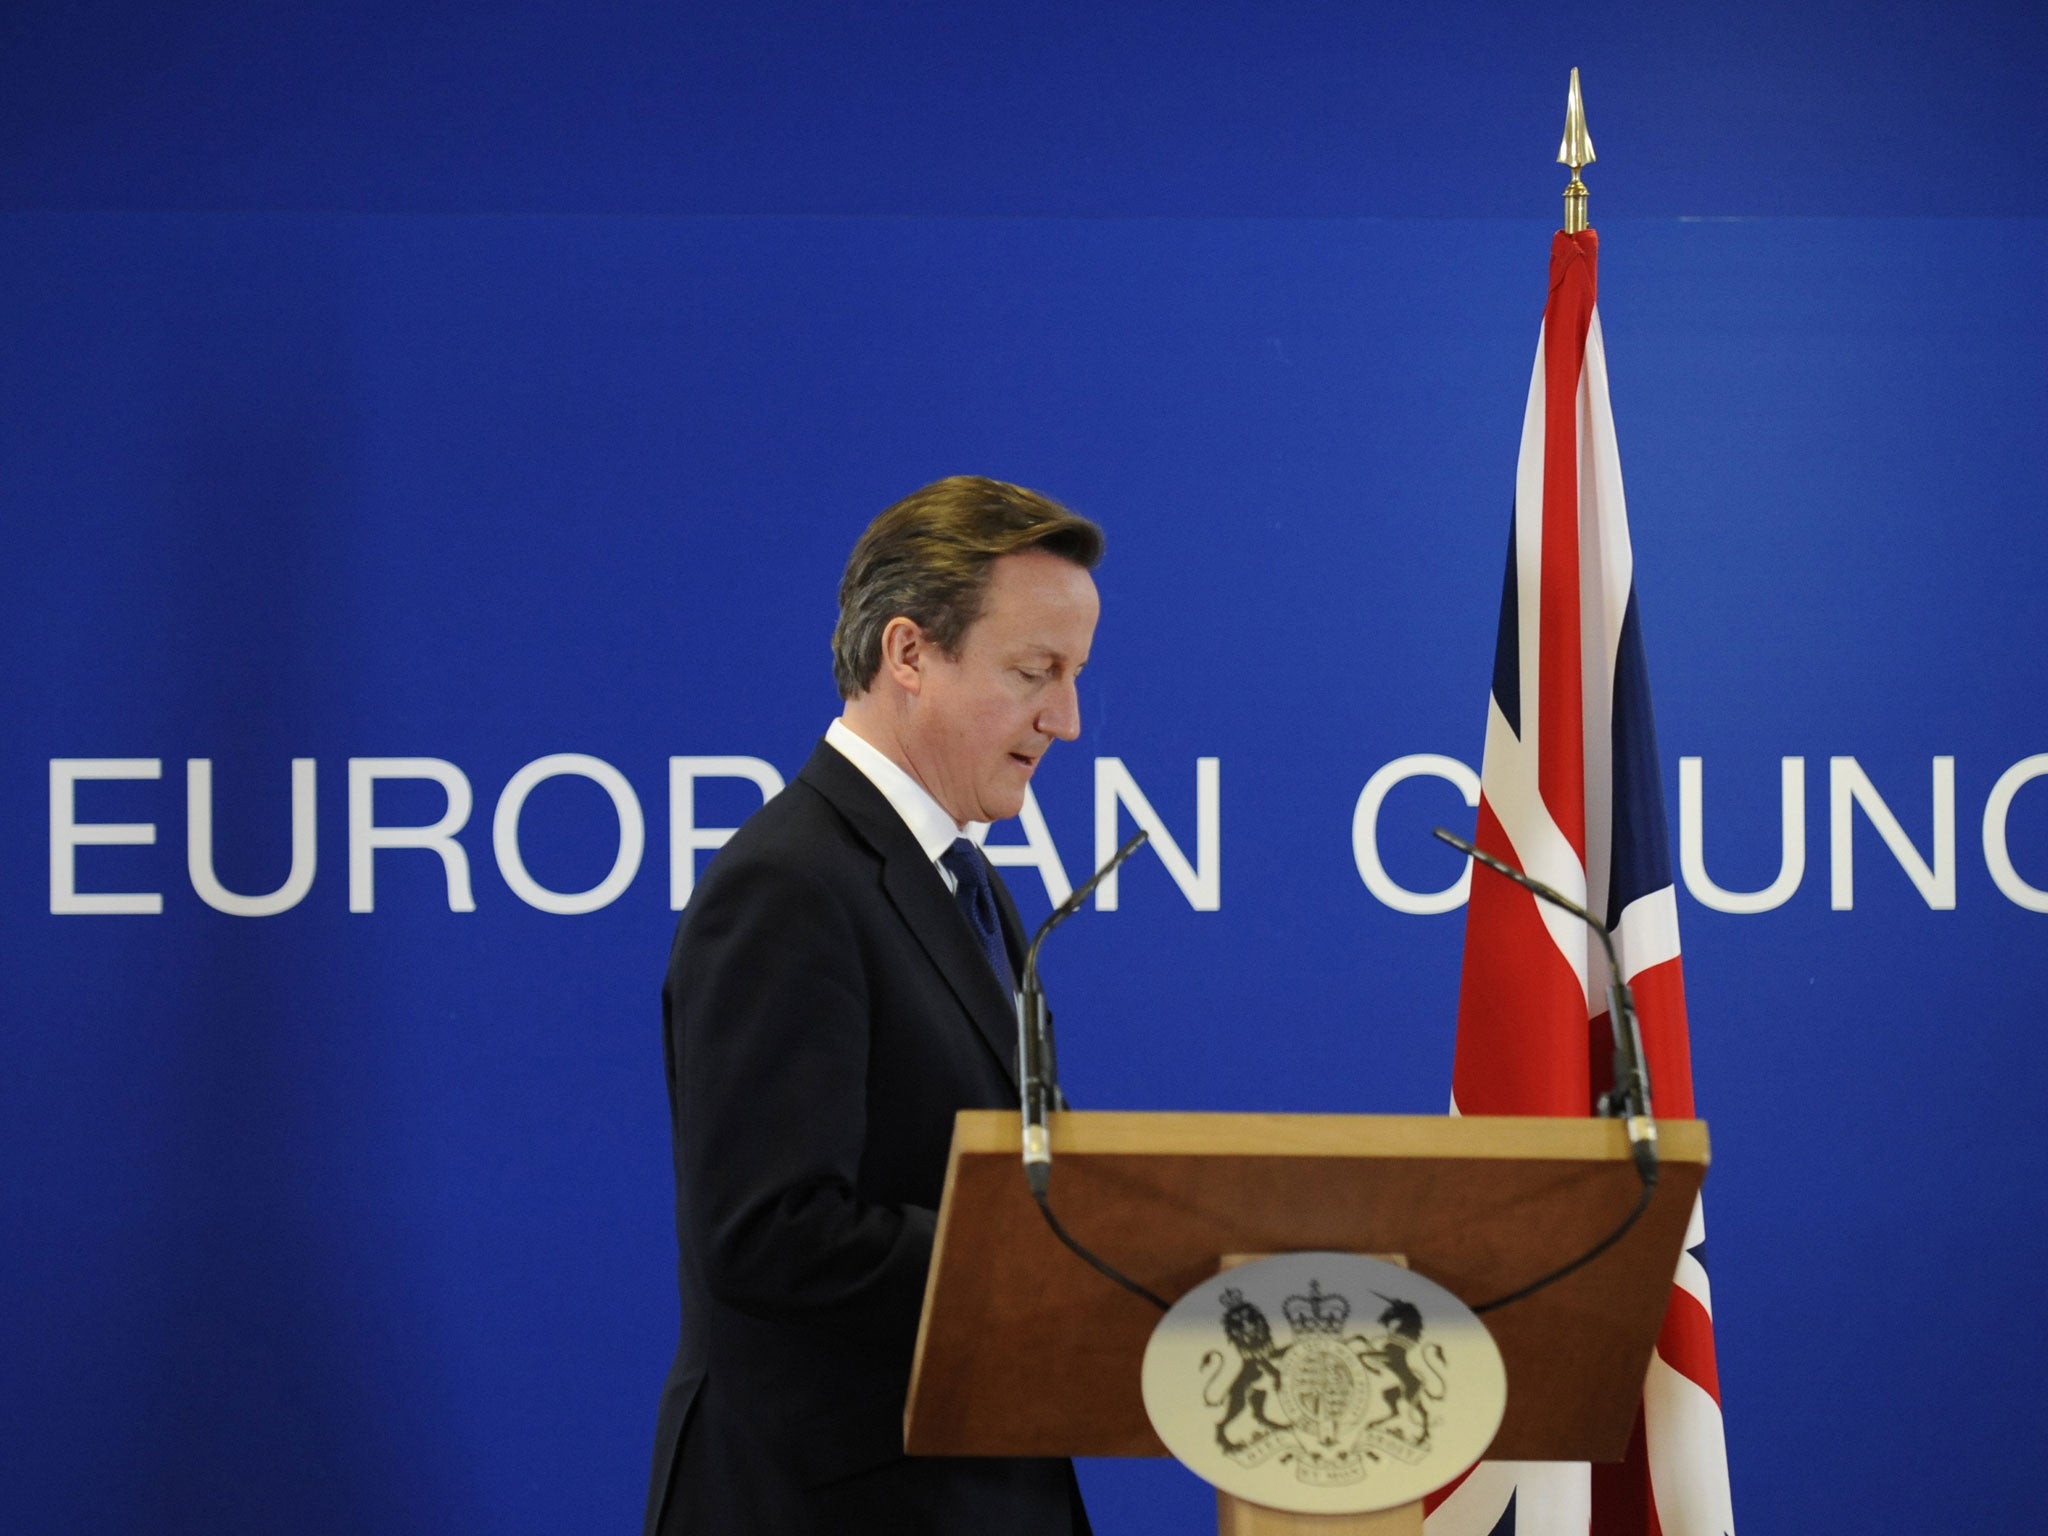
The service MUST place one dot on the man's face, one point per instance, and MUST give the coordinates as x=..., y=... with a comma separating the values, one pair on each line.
x=983, y=719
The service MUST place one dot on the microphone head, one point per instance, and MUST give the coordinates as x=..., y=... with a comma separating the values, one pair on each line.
x=1454, y=840
x=1072, y=904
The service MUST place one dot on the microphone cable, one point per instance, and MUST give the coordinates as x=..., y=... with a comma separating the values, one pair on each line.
x=1642, y=1204
x=1099, y=1265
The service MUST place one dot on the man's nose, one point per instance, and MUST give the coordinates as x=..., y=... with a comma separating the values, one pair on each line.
x=1062, y=714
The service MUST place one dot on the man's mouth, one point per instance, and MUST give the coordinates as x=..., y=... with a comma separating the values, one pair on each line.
x=1026, y=761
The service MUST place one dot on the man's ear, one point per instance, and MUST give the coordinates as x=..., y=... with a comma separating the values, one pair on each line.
x=903, y=654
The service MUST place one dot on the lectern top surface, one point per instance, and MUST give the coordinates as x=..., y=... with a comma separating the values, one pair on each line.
x=1175, y=1133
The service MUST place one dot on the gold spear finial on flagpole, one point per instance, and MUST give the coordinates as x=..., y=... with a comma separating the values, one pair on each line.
x=1576, y=151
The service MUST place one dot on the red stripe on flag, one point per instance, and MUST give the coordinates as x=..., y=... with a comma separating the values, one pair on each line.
x=1660, y=1013
x=1521, y=1009
x=1686, y=1343
x=1560, y=744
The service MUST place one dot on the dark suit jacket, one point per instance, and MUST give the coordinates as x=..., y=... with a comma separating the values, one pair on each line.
x=827, y=1010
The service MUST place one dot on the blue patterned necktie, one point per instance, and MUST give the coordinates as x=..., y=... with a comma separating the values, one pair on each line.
x=977, y=898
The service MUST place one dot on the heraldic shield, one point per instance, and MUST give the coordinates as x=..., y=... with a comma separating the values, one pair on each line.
x=1324, y=1383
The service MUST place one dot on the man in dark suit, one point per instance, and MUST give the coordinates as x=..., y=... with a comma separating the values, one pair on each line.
x=840, y=985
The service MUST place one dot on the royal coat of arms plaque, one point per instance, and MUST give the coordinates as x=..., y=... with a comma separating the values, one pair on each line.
x=1324, y=1383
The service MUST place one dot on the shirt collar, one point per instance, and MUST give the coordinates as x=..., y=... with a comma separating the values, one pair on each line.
x=927, y=820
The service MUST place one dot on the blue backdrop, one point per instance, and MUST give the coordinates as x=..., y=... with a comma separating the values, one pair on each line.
x=438, y=390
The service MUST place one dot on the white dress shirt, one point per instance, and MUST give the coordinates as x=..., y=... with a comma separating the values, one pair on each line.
x=928, y=821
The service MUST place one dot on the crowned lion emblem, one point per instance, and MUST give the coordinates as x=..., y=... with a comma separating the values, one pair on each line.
x=1331, y=1401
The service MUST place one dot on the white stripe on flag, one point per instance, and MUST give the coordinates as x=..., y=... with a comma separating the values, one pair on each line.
x=1606, y=567
x=1552, y=1498
x=1475, y=1505
x=1602, y=507
x=1688, y=1456
x=1508, y=780
x=1647, y=934
x=1528, y=557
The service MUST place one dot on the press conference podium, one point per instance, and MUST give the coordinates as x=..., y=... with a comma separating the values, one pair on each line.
x=1023, y=1350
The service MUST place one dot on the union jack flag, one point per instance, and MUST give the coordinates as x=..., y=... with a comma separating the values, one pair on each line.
x=1570, y=792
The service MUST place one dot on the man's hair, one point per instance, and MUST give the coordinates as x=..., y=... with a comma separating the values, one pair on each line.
x=927, y=559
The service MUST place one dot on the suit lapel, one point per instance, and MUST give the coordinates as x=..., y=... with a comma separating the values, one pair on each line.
x=920, y=897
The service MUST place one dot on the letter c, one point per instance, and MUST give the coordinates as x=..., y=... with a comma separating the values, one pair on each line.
x=1365, y=822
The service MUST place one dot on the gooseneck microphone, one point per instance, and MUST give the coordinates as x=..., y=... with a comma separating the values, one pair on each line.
x=1038, y=1076
x=1038, y=1081
x=1629, y=1099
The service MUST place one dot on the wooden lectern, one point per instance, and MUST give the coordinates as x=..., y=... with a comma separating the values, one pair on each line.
x=1480, y=1204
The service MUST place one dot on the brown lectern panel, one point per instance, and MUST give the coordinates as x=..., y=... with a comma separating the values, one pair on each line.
x=1026, y=1351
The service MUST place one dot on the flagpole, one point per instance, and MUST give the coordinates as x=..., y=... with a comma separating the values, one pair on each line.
x=1576, y=151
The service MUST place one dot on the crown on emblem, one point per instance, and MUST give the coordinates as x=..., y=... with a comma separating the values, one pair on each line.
x=1316, y=1312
